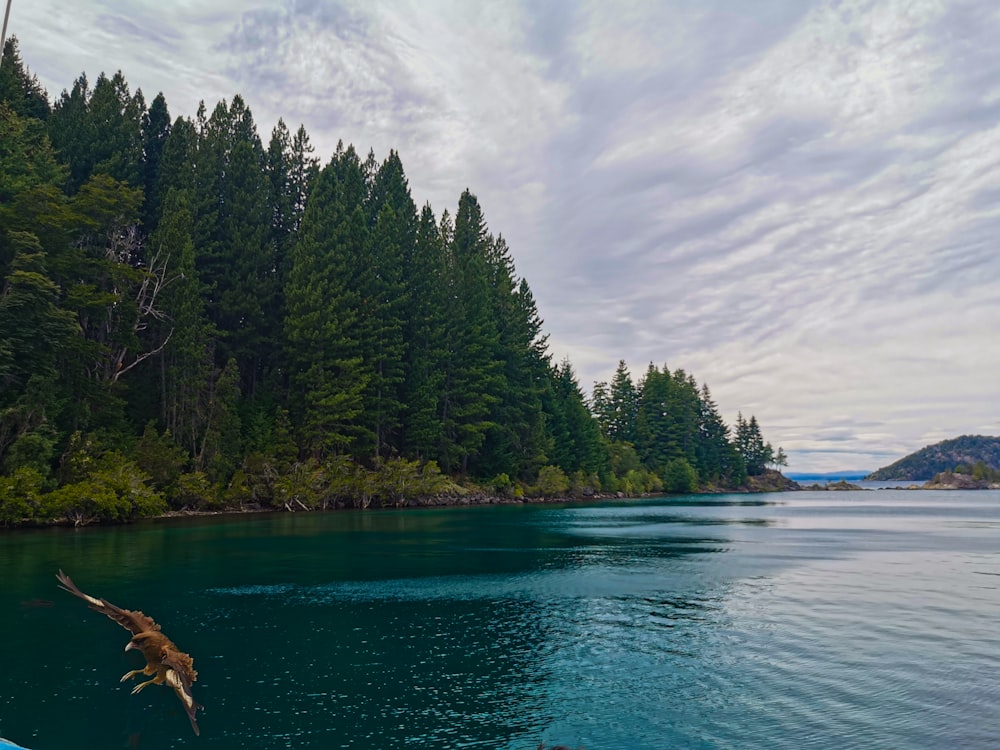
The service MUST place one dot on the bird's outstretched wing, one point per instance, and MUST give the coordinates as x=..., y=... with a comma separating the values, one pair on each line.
x=133, y=621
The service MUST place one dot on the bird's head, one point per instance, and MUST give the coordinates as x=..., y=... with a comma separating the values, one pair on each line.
x=138, y=641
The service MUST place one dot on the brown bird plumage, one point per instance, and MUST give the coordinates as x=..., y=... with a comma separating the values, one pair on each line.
x=165, y=663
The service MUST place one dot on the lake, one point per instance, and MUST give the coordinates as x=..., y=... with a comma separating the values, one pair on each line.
x=796, y=620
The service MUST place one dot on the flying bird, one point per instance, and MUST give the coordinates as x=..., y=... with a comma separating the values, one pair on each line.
x=165, y=663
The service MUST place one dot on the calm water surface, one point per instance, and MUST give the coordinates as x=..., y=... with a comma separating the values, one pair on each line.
x=806, y=620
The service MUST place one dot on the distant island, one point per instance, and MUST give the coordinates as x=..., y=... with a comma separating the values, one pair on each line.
x=962, y=455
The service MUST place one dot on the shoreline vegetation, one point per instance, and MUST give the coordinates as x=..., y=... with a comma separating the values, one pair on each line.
x=429, y=491
x=452, y=494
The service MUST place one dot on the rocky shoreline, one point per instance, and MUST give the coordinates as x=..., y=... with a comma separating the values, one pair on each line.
x=952, y=481
x=841, y=486
x=770, y=482
x=946, y=481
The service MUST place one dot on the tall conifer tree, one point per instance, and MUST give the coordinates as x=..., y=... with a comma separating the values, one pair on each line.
x=392, y=216
x=517, y=444
x=155, y=132
x=233, y=232
x=99, y=131
x=624, y=405
x=425, y=331
x=186, y=363
x=19, y=89
x=473, y=379
x=327, y=377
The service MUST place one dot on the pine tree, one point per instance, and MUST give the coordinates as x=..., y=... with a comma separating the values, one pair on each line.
x=473, y=380
x=246, y=250
x=624, y=403
x=425, y=333
x=517, y=445
x=221, y=449
x=99, y=131
x=577, y=444
x=755, y=453
x=392, y=217
x=175, y=171
x=600, y=407
x=29, y=174
x=291, y=169
x=34, y=331
x=652, y=436
x=780, y=459
x=717, y=460
x=324, y=355
x=19, y=89
x=117, y=116
x=155, y=132
x=37, y=262
x=384, y=348
x=186, y=362
x=684, y=412
x=73, y=133
x=535, y=444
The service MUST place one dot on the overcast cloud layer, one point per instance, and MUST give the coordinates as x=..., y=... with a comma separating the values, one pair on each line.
x=798, y=202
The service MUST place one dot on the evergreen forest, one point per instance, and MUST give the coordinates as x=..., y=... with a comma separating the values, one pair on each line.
x=192, y=317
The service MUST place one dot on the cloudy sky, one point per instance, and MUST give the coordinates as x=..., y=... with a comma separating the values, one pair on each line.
x=797, y=201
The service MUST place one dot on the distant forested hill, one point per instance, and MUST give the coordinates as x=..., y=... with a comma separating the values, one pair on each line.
x=966, y=450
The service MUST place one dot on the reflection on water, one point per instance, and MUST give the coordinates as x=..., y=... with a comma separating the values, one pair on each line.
x=788, y=621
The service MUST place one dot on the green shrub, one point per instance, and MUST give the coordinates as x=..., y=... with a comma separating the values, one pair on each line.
x=193, y=490
x=85, y=502
x=611, y=483
x=501, y=484
x=21, y=496
x=396, y=480
x=257, y=479
x=433, y=482
x=160, y=457
x=80, y=458
x=32, y=450
x=115, y=490
x=301, y=485
x=679, y=476
x=552, y=482
x=638, y=481
x=582, y=484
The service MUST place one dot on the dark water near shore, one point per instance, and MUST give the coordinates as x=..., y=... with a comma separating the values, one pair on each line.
x=802, y=620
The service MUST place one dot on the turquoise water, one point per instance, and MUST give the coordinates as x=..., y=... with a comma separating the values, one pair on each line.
x=805, y=620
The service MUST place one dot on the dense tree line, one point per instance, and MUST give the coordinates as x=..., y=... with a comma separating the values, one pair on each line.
x=192, y=318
